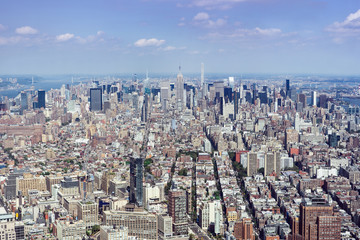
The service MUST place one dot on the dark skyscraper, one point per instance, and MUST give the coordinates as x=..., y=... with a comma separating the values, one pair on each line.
x=287, y=87
x=132, y=197
x=95, y=99
x=139, y=181
x=41, y=99
x=24, y=101
x=136, y=181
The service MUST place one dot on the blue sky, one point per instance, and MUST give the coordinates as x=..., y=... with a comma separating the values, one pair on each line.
x=228, y=36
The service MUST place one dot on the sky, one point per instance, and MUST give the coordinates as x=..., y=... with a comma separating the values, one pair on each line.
x=132, y=36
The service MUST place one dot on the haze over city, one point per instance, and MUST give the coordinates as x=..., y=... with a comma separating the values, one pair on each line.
x=237, y=36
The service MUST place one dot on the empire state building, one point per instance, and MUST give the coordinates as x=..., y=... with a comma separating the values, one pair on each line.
x=180, y=90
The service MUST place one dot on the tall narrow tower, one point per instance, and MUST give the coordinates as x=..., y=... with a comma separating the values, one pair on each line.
x=180, y=89
x=202, y=75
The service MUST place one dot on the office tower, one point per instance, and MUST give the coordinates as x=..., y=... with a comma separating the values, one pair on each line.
x=132, y=196
x=231, y=82
x=243, y=229
x=140, y=224
x=293, y=95
x=145, y=109
x=164, y=93
x=135, y=101
x=23, y=101
x=219, y=89
x=202, y=76
x=136, y=181
x=299, y=107
x=263, y=97
x=41, y=99
x=302, y=99
x=297, y=122
x=313, y=98
x=177, y=210
x=287, y=87
x=139, y=181
x=317, y=221
x=228, y=96
x=236, y=103
x=180, y=89
x=95, y=99
x=323, y=101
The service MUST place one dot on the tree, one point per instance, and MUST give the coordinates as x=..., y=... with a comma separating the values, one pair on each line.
x=183, y=172
x=95, y=229
x=261, y=170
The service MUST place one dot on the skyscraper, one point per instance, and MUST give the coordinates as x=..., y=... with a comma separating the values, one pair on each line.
x=95, y=99
x=202, y=76
x=41, y=99
x=313, y=98
x=177, y=210
x=136, y=181
x=180, y=89
x=139, y=181
x=287, y=87
x=24, y=101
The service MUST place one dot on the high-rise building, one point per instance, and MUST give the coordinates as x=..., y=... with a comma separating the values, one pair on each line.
x=202, y=75
x=41, y=99
x=287, y=87
x=272, y=163
x=95, y=99
x=313, y=98
x=317, y=221
x=180, y=90
x=136, y=181
x=23, y=101
x=177, y=210
x=323, y=99
x=302, y=99
x=252, y=163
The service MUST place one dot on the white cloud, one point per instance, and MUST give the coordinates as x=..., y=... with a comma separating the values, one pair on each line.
x=26, y=30
x=211, y=4
x=64, y=37
x=349, y=27
x=201, y=16
x=268, y=31
x=91, y=38
x=171, y=48
x=2, y=27
x=148, y=42
x=203, y=19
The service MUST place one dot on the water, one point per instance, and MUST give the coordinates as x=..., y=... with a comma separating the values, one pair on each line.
x=44, y=83
x=353, y=101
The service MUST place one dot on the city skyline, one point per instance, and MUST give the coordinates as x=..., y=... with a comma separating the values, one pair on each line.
x=237, y=36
